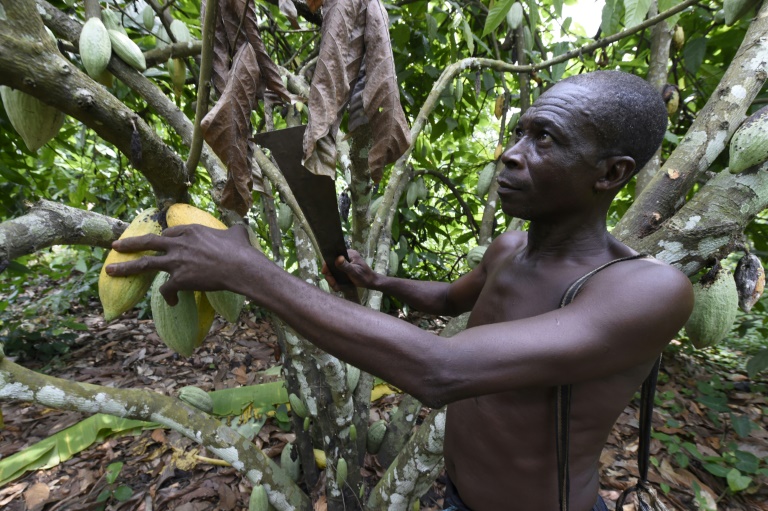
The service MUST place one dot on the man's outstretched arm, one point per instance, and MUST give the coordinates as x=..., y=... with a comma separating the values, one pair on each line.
x=623, y=317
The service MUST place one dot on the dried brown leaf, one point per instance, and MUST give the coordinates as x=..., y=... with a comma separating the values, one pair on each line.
x=227, y=127
x=381, y=95
x=222, y=53
x=338, y=65
x=287, y=8
x=314, y=5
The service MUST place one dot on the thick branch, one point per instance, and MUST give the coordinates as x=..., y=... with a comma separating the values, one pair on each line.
x=50, y=223
x=19, y=383
x=707, y=136
x=30, y=66
x=158, y=56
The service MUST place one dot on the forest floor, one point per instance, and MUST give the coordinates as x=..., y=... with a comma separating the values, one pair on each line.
x=164, y=473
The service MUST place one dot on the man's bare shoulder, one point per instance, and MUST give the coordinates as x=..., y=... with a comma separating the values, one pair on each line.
x=508, y=243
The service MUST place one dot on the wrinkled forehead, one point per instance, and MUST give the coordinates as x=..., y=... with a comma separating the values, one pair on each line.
x=567, y=104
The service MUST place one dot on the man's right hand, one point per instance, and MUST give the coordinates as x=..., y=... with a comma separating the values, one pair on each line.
x=356, y=269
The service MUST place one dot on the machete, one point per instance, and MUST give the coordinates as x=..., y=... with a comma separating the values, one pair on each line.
x=316, y=196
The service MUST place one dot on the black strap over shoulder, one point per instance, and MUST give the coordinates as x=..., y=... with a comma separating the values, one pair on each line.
x=563, y=405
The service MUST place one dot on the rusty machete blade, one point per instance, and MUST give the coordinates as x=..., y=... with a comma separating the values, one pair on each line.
x=315, y=194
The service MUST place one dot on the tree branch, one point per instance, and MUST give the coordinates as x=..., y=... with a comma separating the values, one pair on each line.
x=706, y=138
x=50, y=223
x=19, y=383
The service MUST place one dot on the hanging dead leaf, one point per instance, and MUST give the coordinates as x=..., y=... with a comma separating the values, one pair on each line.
x=381, y=95
x=338, y=65
x=314, y=5
x=357, y=115
x=227, y=128
x=287, y=8
x=222, y=54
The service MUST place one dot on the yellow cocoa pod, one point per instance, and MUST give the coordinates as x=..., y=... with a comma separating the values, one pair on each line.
x=498, y=107
x=184, y=214
x=205, y=315
x=714, y=310
x=95, y=47
x=177, y=326
x=177, y=70
x=678, y=38
x=498, y=151
x=120, y=294
x=320, y=459
x=35, y=121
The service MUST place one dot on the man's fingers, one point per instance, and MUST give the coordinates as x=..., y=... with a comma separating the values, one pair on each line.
x=169, y=292
x=141, y=243
x=141, y=265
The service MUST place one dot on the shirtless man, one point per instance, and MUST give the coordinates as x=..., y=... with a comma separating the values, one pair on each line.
x=576, y=147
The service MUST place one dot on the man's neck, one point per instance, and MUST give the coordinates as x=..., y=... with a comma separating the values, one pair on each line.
x=573, y=239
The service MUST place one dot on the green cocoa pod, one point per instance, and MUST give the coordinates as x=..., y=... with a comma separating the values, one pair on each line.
x=36, y=122
x=307, y=422
x=180, y=31
x=127, y=50
x=284, y=217
x=177, y=326
x=177, y=70
x=376, y=432
x=714, y=311
x=112, y=21
x=475, y=255
x=458, y=90
x=353, y=377
x=341, y=472
x=297, y=405
x=148, y=18
x=290, y=462
x=515, y=16
x=750, y=281
x=95, y=47
x=423, y=192
x=353, y=433
x=412, y=194
x=226, y=303
x=734, y=10
x=196, y=397
x=485, y=179
x=394, y=262
x=528, y=38
x=259, y=499
x=374, y=207
x=749, y=144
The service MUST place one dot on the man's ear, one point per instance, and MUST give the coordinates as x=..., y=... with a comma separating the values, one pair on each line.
x=616, y=171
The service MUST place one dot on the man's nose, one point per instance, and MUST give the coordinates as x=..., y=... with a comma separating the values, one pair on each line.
x=511, y=157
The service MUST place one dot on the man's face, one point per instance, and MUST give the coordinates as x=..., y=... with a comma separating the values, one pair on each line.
x=551, y=169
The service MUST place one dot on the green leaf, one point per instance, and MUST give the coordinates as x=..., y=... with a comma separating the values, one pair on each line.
x=496, y=15
x=665, y=5
x=123, y=493
x=747, y=462
x=737, y=482
x=757, y=363
x=613, y=11
x=715, y=469
x=741, y=425
x=113, y=471
x=469, y=37
x=693, y=54
x=431, y=27
x=635, y=12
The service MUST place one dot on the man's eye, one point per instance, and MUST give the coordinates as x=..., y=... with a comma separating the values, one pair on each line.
x=544, y=136
x=518, y=133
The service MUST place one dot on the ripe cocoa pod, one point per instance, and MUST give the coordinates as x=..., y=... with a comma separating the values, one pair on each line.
x=95, y=47
x=714, y=309
x=120, y=294
x=498, y=151
x=177, y=326
x=750, y=281
x=148, y=18
x=376, y=432
x=475, y=255
x=320, y=459
x=515, y=16
x=498, y=107
x=196, y=397
x=227, y=304
x=205, y=315
x=749, y=144
x=678, y=38
x=36, y=122
x=297, y=405
x=127, y=50
x=177, y=70
x=290, y=462
x=259, y=500
x=353, y=378
x=485, y=179
x=284, y=217
x=112, y=21
x=341, y=472
x=184, y=214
